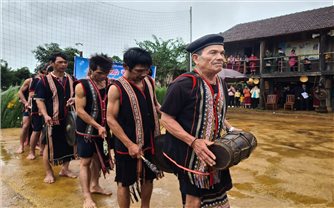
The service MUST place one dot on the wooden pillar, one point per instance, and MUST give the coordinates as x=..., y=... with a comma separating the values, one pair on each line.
x=322, y=49
x=262, y=53
x=329, y=88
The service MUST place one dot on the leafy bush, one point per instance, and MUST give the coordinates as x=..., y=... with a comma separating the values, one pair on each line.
x=161, y=93
x=11, y=108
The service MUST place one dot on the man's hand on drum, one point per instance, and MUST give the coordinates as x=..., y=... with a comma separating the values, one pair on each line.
x=200, y=147
x=235, y=129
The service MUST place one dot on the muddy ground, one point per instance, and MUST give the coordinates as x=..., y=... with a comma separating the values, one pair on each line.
x=293, y=166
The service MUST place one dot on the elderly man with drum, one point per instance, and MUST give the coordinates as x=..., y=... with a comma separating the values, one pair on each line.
x=194, y=115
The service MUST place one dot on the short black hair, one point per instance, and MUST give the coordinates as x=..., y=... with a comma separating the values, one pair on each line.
x=54, y=56
x=135, y=56
x=42, y=67
x=103, y=61
x=49, y=68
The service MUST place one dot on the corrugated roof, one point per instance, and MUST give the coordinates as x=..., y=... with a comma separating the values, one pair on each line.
x=287, y=24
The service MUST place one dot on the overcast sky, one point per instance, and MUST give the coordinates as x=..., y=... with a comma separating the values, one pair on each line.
x=218, y=16
x=24, y=23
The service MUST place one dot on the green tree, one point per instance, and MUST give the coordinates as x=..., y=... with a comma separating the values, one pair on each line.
x=10, y=77
x=22, y=74
x=7, y=75
x=116, y=59
x=43, y=52
x=168, y=56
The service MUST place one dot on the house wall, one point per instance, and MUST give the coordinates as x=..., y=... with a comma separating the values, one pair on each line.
x=304, y=45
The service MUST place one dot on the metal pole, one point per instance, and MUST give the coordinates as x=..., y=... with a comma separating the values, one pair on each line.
x=191, y=28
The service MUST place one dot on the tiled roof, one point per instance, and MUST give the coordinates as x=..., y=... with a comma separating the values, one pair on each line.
x=292, y=23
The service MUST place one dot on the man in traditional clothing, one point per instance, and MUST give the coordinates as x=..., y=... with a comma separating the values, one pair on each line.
x=193, y=114
x=90, y=102
x=26, y=119
x=36, y=118
x=53, y=95
x=133, y=120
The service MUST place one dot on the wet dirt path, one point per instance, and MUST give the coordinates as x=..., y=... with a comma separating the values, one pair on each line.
x=293, y=166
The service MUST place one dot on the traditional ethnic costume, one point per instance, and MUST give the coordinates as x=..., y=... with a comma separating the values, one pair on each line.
x=199, y=108
x=88, y=139
x=55, y=92
x=36, y=118
x=139, y=120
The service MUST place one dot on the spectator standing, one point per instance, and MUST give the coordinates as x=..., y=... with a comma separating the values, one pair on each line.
x=247, y=97
x=237, y=63
x=268, y=61
x=293, y=61
x=252, y=63
x=280, y=60
x=255, y=92
x=237, y=98
x=231, y=92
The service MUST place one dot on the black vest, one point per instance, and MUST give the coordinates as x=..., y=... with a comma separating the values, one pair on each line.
x=126, y=120
x=82, y=125
x=64, y=94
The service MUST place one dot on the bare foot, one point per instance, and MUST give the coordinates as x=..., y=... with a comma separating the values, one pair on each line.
x=89, y=203
x=20, y=150
x=99, y=190
x=67, y=173
x=49, y=178
x=31, y=156
x=41, y=153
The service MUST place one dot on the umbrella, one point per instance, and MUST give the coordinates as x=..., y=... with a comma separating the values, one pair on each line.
x=231, y=74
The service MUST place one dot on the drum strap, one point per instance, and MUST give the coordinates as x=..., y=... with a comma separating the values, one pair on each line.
x=186, y=169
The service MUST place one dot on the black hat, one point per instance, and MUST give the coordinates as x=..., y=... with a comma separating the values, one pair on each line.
x=207, y=40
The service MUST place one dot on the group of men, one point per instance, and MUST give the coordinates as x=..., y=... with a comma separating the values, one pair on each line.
x=123, y=115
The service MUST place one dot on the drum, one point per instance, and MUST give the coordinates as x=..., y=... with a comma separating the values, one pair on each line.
x=159, y=159
x=70, y=127
x=233, y=148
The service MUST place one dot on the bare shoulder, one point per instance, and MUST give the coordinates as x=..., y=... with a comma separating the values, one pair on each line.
x=113, y=93
x=79, y=91
x=27, y=81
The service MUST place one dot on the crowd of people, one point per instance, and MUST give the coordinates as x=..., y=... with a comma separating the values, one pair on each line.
x=274, y=62
x=243, y=96
x=243, y=64
x=117, y=121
